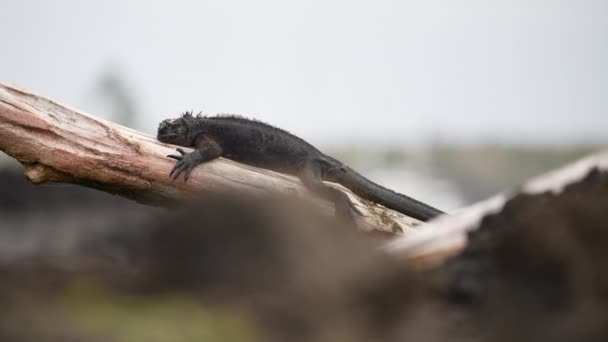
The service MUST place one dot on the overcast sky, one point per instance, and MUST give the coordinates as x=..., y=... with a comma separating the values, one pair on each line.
x=330, y=71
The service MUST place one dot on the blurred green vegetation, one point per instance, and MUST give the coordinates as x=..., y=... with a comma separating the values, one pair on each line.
x=481, y=171
x=478, y=171
x=85, y=311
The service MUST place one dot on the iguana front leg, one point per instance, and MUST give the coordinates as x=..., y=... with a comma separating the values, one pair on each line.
x=205, y=151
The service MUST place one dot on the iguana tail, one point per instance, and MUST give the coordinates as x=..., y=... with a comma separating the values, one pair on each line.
x=381, y=195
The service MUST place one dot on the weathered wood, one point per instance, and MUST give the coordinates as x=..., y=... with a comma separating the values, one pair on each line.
x=60, y=144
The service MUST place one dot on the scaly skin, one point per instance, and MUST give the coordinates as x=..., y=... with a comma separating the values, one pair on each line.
x=258, y=144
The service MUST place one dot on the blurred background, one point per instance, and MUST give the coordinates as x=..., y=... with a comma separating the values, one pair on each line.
x=446, y=101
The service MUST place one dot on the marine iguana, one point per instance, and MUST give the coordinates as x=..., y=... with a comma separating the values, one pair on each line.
x=258, y=144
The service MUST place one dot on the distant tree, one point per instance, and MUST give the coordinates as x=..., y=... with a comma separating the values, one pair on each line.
x=113, y=89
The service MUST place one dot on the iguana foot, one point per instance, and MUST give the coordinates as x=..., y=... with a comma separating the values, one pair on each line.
x=185, y=163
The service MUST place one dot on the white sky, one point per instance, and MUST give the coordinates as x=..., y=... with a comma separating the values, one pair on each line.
x=330, y=71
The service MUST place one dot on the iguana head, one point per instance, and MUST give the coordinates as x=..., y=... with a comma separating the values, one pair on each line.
x=176, y=131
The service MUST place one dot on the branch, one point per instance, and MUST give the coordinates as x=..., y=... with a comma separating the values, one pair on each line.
x=61, y=144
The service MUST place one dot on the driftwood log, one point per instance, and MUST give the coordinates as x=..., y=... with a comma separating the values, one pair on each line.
x=61, y=144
